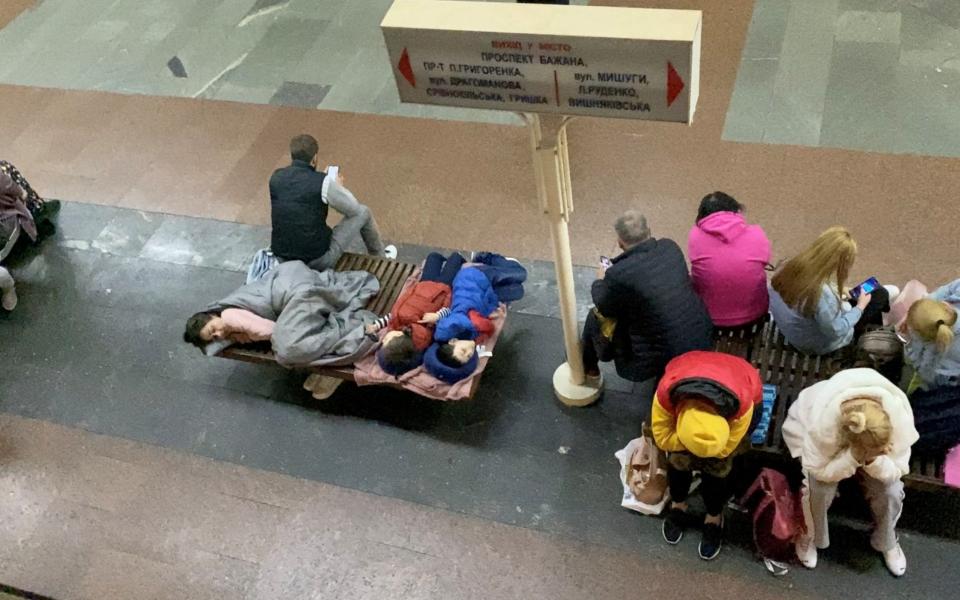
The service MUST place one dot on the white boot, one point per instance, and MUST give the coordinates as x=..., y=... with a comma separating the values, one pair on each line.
x=806, y=551
x=896, y=560
x=8, y=299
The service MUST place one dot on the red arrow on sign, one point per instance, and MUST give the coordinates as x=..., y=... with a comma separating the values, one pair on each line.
x=674, y=84
x=405, y=69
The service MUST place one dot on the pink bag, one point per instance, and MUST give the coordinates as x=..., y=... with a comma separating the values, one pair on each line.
x=912, y=291
x=776, y=513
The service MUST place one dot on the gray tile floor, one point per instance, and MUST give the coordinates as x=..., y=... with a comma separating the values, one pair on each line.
x=877, y=75
x=95, y=345
x=326, y=54
x=227, y=246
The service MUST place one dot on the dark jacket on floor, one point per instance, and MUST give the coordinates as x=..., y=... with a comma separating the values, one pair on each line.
x=659, y=316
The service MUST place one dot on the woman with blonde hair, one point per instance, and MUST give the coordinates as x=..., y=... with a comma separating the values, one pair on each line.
x=933, y=332
x=805, y=296
x=855, y=423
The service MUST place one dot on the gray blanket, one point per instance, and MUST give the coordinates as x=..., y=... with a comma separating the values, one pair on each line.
x=320, y=316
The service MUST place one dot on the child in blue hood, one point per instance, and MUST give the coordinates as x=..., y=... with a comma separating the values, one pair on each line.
x=453, y=356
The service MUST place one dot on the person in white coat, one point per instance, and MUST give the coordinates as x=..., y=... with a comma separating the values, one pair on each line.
x=859, y=424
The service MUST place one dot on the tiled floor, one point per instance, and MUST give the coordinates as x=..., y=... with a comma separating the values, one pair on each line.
x=300, y=53
x=876, y=75
x=219, y=479
x=95, y=345
x=92, y=517
x=454, y=184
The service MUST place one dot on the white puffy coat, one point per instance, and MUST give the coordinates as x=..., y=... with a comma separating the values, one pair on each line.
x=812, y=428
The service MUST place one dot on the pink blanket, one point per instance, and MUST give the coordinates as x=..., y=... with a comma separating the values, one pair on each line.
x=368, y=372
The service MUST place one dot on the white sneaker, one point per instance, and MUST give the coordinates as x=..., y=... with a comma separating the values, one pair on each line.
x=806, y=552
x=8, y=285
x=10, y=299
x=895, y=560
x=893, y=291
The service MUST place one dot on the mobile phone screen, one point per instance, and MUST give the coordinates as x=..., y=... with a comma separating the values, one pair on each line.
x=867, y=287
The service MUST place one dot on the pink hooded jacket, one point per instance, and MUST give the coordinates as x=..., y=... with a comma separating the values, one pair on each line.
x=727, y=259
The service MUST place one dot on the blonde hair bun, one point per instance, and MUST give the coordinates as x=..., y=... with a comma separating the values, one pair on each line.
x=856, y=422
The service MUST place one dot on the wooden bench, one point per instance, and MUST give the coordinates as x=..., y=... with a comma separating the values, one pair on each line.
x=391, y=274
x=791, y=371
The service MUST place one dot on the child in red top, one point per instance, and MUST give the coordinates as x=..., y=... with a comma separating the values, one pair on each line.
x=414, y=314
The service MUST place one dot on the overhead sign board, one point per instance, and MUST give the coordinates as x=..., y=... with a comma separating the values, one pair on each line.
x=631, y=63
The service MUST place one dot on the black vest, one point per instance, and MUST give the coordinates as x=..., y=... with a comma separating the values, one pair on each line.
x=298, y=213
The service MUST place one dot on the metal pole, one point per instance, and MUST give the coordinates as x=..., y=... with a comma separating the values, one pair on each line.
x=551, y=169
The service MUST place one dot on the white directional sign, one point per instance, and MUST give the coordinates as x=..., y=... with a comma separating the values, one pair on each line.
x=631, y=63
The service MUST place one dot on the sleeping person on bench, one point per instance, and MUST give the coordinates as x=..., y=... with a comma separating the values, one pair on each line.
x=311, y=318
x=453, y=355
x=414, y=314
x=425, y=314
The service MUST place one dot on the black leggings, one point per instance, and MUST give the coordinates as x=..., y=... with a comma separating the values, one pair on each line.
x=714, y=490
x=873, y=313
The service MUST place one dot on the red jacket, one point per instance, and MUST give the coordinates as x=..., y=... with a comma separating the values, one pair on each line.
x=731, y=373
x=424, y=297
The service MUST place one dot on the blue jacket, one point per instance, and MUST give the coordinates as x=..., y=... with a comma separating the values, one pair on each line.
x=829, y=329
x=471, y=291
x=938, y=369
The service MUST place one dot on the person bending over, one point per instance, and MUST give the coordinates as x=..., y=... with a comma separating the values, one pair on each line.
x=703, y=413
x=856, y=423
x=933, y=331
x=300, y=197
x=453, y=356
x=414, y=314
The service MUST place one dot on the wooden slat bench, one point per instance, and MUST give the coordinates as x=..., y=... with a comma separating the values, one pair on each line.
x=791, y=371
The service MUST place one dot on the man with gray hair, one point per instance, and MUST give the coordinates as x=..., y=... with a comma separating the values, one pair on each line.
x=646, y=311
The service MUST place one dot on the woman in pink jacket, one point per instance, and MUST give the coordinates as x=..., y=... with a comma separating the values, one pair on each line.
x=727, y=262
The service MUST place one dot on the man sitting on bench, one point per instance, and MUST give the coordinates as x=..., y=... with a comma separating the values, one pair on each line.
x=300, y=197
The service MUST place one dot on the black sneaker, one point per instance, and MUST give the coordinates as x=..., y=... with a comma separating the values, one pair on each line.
x=673, y=526
x=712, y=541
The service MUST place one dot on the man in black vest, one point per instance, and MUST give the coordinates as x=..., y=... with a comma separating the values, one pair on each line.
x=300, y=197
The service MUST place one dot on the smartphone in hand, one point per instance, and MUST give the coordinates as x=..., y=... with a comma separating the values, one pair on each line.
x=867, y=287
x=605, y=262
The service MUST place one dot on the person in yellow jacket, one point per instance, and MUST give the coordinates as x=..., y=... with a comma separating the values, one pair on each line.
x=703, y=412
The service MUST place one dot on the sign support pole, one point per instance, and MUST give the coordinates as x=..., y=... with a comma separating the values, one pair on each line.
x=551, y=164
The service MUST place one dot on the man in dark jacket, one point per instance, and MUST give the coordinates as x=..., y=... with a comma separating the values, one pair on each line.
x=648, y=292
x=300, y=197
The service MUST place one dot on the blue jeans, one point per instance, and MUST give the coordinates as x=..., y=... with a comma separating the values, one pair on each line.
x=440, y=269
